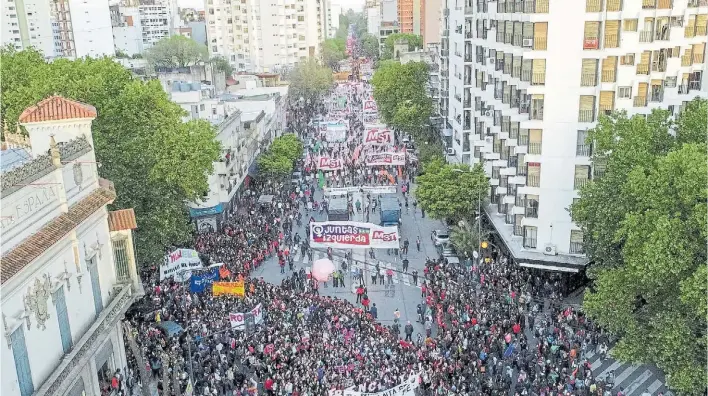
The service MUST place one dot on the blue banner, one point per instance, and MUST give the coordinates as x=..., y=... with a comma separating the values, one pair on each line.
x=199, y=282
x=199, y=212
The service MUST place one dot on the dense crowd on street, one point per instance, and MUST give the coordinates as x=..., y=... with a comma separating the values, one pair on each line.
x=490, y=328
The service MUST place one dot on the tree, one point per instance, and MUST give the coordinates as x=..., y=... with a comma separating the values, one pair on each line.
x=280, y=158
x=221, y=64
x=644, y=223
x=467, y=237
x=414, y=41
x=156, y=161
x=333, y=51
x=400, y=92
x=370, y=47
x=176, y=51
x=451, y=192
x=351, y=18
x=309, y=80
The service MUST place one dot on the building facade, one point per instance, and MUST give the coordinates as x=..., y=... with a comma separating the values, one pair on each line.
x=85, y=28
x=262, y=36
x=524, y=81
x=28, y=23
x=430, y=21
x=68, y=264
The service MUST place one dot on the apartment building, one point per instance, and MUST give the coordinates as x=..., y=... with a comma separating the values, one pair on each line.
x=406, y=19
x=28, y=23
x=265, y=35
x=527, y=79
x=85, y=28
x=430, y=18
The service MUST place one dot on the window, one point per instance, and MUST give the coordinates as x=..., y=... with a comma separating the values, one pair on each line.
x=591, y=36
x=670, y=82
x=609, y=65
x=59, y=300
x=582, y=148
x=530, y=235
x=576, y=242
x=535, y=140
x=533, y=178
x=588, y=73
x=538, y=76
x=540, y=36
x=22, y=364
x=95, y=286
x=607, y=101
x=586, y=112
x=624, y=92
x=201, y=107
x=612, y=29
x=582, y=176
x=531, y=207
x=630, y=25
x=627, y=60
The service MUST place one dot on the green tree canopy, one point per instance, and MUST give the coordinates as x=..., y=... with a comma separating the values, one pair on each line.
x=414, y=41
x=370, y=46
x=280, y=158
x=357, y=19
x=309, y=80
x=222, y=64
x=467, y=237
x=644, y=223
x=176, y=51
x=400, y=92
x=333, y=51
x=451, y=192
x=156, y=161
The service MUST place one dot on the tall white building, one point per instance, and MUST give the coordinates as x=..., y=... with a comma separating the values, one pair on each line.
x=137, y=26
x=265, y=36
x=28, y=23
x=523, y=82
x=373, y=20
x=84, y=28
x=68, y=264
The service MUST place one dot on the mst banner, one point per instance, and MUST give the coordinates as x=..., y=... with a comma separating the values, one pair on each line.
x=328, y=164
x=370, y=106
x=181, y=262
x=388, y=158
x=378, y=136
x=352, y=234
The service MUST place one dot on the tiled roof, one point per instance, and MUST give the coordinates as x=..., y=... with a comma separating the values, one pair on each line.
x=32, y=247
x=119, y=220
x=56, y=108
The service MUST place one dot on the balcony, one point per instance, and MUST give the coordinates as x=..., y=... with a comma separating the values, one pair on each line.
x=591, y=43
x=535, y=148
x=536, y=113
x=593, y=6
x=701, y=30
x=583, y=150
x=612, y=40
x=526, y=75
x=656, y=95
x=530, y=242
x=469, y=10
x=516, y=71
x=521, y=170
x=646, y=36
x=643, y=69
x=540, y=43
x=586, y=115
x=659, y=66
x=576, y=248
x=518, y=230
x=606, y=109
x=609, y=76
x=538, y=79
x=694, y=85
x=533, y=180
x=588, y=79
x=686, y=60
x=683, y=89
x=640, y=101
x=469, y=35
x=580, y=182
x=663, y=34
x=469, y=58
x=698, y=58
x=531, y=210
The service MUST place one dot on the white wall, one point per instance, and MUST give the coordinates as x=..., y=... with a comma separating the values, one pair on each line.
x=93, y=33
x=31, y=24
x=373, y=21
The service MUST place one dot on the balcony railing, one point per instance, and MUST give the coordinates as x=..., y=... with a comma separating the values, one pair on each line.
x=535, y=148
x=468, y=35
x=516, y=71
x=609, y=76
x=643, y=68
x=580, y=182
x=656, y=96
x=640, y=101
x=536, y=113
x=583, y=150
x=586, y=115
x=538, y=79
x=588, y=79
x=518, y=230
x=646, y=36
x=698, y=58
x=540, y=43
x=526, y=75
x=576, y=248
x=694, y=85
x=606, y=109
x=529, y=242
x=683, y=89
x=701, y=30
x=531, y=211
x=611, y=41
x=533, y=180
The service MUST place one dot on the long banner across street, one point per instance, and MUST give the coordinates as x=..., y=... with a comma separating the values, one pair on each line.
x=352, y=234
x=407, y=388
x=387, y=158
x=367, y=189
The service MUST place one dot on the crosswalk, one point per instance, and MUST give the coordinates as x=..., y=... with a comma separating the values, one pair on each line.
x=633, y=380
x=368, y=265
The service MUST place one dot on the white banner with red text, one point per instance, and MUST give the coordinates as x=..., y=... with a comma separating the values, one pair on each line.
x=329, y=164
x=407, y=388
x=352, y=234
x=370, y=106
x=387, y=158
x=238, y=320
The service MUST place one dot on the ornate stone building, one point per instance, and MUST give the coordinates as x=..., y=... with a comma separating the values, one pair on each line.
x=68, y=264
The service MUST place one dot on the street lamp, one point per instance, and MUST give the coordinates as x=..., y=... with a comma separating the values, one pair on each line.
x=479, y=216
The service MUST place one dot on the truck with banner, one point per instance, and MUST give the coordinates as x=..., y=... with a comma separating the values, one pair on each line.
x=390, y=211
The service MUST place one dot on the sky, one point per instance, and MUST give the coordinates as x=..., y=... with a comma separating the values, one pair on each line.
x=356, y=5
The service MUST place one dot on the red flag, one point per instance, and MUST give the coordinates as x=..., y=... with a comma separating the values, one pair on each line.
x=224, y=272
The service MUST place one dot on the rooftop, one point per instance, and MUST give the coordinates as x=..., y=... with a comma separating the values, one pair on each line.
x=120, y=220
x=55, y=108
x=12, y=158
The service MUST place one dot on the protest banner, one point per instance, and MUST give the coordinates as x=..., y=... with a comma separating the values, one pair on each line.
x=370, y=106
x=200, y=282
x=328, y=164
x=238, y=320
x=180, y=262
x=352, y=234
x=371, y=118
x=407, y=388
x=336, y=133
x=387, y=158
x=230, y=288
x=366, y=189
x=378, y=136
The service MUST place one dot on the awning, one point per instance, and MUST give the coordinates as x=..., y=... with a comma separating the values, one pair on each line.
x=171, y=328
x=253, y=169
x=549, y=267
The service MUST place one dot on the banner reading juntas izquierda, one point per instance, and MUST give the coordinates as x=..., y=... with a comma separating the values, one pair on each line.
x=352, y=234
x=387, y=158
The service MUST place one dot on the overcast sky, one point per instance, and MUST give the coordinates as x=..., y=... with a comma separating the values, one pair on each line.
x=356, y=5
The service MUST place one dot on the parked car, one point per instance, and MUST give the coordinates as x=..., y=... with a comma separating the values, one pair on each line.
x=439, y=237
x=448, y=250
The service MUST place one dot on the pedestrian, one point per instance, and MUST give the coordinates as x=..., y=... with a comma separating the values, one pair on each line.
x=374, y=311
x=409, y=331
x=405, y=264
x=417, y=243
x=415, y=277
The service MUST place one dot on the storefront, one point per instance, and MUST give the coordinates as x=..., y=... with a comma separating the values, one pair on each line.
x=207, y=219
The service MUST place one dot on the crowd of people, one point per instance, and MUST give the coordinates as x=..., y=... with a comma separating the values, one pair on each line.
x=492, y=327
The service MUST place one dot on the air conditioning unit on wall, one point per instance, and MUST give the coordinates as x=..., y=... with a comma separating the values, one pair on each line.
x=550, y=250
x=527, y=43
